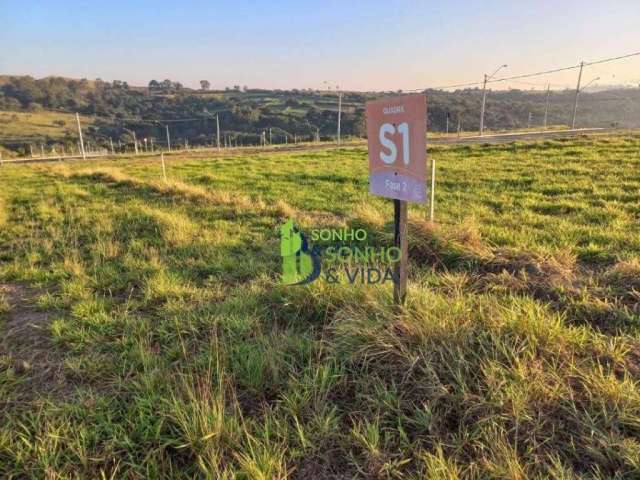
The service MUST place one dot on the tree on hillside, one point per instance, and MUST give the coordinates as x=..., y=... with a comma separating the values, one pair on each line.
x=205, y=85
x=25, y=89
x=154, y=85
x=166, y=85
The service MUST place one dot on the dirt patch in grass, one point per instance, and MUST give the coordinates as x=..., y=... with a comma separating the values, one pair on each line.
x=606, y=298
x=463, y=250
x=27, y=353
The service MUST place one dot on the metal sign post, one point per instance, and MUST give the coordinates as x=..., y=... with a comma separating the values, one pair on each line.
x=396, y=130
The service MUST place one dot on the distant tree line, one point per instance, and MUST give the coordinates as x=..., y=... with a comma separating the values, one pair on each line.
x=245, y=113
x=165, y=86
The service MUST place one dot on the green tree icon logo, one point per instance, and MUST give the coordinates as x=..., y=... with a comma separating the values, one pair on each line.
x=299, y=264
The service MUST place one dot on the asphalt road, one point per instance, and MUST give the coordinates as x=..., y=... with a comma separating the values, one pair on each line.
x=518, y=136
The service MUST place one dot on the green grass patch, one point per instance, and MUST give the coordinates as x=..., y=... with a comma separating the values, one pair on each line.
x=177, y=353
x=33, y=127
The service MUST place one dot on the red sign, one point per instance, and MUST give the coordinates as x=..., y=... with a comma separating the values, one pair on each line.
x=397, y=139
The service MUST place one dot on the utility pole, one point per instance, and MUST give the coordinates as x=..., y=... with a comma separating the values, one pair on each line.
x=168, y=138
x=135, y=142
x=546, y=108
x=459, y=126
x=447, y=123
x=529, y=120
x=339, y=114
x=145, y=145
x=484, y=96
x=270, y=137
x=31, y=149
x=84, y=156
x=484, y=101
x=152, y=149
x=111, y=143
x=218, y=131
x=575, y=103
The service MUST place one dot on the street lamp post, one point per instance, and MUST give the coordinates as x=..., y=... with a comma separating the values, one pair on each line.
x=484, y=95
x=578, y=92
x=339, y=92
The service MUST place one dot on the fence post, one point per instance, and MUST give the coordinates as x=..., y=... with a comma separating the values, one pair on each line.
x=433, y=189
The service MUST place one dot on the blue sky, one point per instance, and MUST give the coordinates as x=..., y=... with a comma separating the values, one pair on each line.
x=297, y=44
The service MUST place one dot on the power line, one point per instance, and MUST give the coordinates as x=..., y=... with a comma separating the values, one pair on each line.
x=515, y=78
x=442, y=87
x=635, y=54
x=528, y=75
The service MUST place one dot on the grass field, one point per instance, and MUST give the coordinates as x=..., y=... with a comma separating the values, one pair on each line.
x=35, y=127
x=145, y=333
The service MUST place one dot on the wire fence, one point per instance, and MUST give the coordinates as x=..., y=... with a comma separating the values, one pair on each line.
x=450, y=113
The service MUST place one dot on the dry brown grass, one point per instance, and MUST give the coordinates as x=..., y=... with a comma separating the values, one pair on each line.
x=503, y=363
x=625, y=277
x=237, y=201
